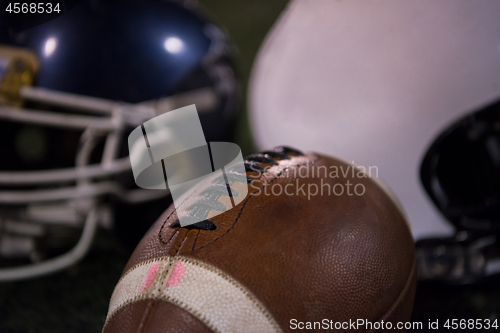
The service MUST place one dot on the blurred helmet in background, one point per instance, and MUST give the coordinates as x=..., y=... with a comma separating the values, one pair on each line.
x=411, y=87
x=71, y=90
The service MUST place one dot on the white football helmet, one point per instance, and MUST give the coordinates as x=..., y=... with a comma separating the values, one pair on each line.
x=411, y=87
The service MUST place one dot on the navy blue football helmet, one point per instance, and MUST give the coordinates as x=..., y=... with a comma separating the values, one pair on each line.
x=71, y=90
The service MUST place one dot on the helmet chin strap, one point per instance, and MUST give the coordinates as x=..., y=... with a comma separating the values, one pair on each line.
x=60, y=262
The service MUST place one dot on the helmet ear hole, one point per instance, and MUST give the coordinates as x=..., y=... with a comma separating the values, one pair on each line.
x=461, y=171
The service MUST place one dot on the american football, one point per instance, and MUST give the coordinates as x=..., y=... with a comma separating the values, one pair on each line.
x=278, y=260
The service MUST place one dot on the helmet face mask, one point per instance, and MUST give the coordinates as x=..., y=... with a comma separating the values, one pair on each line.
x=70, y=93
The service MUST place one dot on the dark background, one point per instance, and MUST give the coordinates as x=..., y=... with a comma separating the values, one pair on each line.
x=76, y=300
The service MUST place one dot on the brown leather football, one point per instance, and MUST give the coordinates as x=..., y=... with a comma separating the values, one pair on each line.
x=303, y=249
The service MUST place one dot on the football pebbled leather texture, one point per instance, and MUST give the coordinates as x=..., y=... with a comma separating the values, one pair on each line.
x=275, y=257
